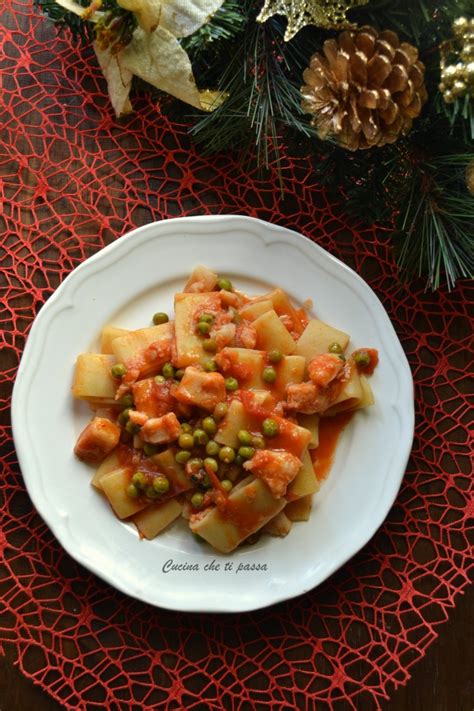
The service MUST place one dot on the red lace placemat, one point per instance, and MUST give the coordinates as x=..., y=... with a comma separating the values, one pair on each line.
x=73, y=179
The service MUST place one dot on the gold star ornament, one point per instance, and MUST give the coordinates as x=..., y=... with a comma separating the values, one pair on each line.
x=330, y=14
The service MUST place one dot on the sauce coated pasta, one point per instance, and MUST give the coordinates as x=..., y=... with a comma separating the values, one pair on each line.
x=215, y=416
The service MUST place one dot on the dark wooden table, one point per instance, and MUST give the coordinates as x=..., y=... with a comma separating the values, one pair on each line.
x=442, y=681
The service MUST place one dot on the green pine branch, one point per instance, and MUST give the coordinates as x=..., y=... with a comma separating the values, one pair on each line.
x=418, y=188
x=64, y=20
x=226, y=24
x=83, y=30
x=262, y=83
x=437, y=226
x=417, y=185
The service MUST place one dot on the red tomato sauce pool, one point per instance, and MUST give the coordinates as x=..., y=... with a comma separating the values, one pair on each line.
x=330, y=429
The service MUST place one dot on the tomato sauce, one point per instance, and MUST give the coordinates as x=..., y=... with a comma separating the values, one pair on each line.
x=330, y=429
x=133, y=460
x=374, y=359
x=245, y=519
x=300, y=320
x=290, y=437
x=278, y=388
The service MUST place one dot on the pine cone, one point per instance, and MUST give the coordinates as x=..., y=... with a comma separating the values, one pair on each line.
x=366, y=90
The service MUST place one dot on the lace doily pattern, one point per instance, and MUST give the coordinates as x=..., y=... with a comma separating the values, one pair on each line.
x=73, y=178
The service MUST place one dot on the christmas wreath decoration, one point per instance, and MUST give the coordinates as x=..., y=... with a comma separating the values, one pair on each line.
x=378, y=94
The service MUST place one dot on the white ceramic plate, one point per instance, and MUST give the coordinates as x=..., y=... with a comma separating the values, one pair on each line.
x=125, y=284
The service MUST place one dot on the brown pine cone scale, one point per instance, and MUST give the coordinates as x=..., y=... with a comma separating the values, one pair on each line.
x=366, y=89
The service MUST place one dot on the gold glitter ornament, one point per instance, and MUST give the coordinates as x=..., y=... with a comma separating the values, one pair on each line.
x=460, y=25
x=330, y=14
x=457, y=79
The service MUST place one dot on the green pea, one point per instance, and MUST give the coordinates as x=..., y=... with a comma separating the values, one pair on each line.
x=139, y=480
x=203, y=327
x=220, y=410
x=342, y=357
x=224, y=283
x=197, y=500
x=179, y=374
x=160, y=317
x=211, y=463
x=124, y=415
x=161, y=484
x=275, y=356
x=231, y=384
x=335, y=348
x=206, y=318
x=132, y=428
x=150, y=493
x=168, y=370
x=200, y=437
x=186, y=428
x=269, y=374
x=186, y=441
x=212, y=448
x=209, y=365
x=118, y=370
x=182, y=456
x=239, y=460
x=150, y=449
x=205, y=481
x=258, y=442
x=246, y=452
x=160, y=379
x=244, y=437
x=227, y=455
x=210, y=345
x=226, y=484
x=126, y=401
x=362, y=358
x=209, y=425
x=132, y=491
x=270, y=427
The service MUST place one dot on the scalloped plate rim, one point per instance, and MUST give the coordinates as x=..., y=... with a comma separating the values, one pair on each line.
x=56, y=521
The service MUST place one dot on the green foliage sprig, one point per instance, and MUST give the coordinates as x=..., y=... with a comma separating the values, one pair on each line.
x=416, y=185
x=64, y=20
x=226, y=24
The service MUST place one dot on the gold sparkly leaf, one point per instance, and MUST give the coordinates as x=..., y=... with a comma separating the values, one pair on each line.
x=330, y=14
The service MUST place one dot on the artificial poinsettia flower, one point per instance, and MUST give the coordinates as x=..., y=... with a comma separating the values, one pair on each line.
x=153, y=53
x=147, y=12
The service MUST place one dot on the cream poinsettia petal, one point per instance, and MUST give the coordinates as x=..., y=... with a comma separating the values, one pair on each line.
x=147, y=12
x=158, y=58
x=183, y=17
x=78, y=9
x=119, y=80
